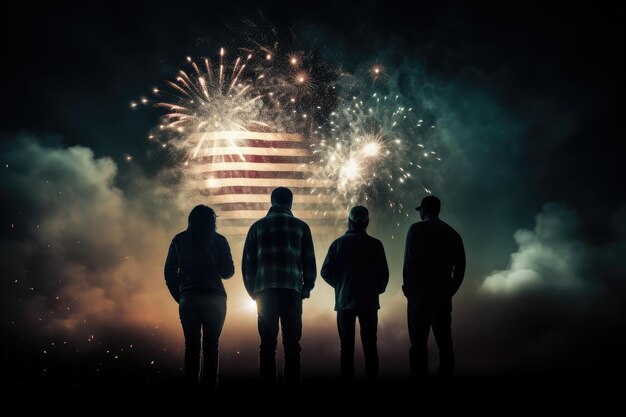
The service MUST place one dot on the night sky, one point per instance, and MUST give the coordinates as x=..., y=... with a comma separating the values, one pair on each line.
x=528, y=103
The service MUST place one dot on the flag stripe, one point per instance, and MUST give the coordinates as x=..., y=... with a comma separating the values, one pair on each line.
x=264, y=198
x=254, y=174
x=256, y=214
x=246, y=222
x=243, y=231
x=236, y=166
x=265, y=206
x=243, y=135
x=259, y=182
x=254, y=143
x=237, y=171
x=270, y=159
x=243, y=150
x=256, y=190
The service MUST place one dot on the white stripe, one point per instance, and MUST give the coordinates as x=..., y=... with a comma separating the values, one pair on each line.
x=265, y=198
x=249, y=166
x=303, y=214
x=258, y=182
x=244, y=135
x=244, y=150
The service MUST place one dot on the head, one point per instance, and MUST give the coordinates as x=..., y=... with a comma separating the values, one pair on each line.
x=282, y=196
x=430, y=207
x=359, y=218
x=202, y=220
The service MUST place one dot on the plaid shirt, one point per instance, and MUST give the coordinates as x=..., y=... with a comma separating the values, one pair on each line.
x=278, y=253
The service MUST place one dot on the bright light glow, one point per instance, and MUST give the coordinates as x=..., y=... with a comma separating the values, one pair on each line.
x=377, y=72
x=350, y=170
x=371, y=149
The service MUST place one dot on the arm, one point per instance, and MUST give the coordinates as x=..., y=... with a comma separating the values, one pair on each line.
x=225, y=265
x=459, y=267
x=328, y=268
x=382, y=268
x=407, y=268
x=309, y=269
x=248, y=262
x=172, y=279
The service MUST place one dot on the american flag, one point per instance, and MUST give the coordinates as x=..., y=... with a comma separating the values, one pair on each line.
x=237, y=171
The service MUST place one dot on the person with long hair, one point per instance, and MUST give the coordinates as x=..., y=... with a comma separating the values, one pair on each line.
x=198, y=260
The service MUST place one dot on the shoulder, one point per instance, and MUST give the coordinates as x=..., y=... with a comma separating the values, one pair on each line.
x=415, y=226
x=301, y=223
x=258, y=223
x=221, y=238
x=453, y=235
x=180, y=236
x=450, y=229
x=337, y=241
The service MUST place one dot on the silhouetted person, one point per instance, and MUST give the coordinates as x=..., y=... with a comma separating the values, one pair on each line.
x=434, y=265
x=197, y=261
x=356, y=268
x=279, y=271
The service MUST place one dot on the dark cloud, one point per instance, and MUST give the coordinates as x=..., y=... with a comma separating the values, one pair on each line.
x=78, y=246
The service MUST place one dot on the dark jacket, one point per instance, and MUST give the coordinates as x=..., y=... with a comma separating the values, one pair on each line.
x=278, y=253
x=356, y=268
x=195, y=267
x=434, y=262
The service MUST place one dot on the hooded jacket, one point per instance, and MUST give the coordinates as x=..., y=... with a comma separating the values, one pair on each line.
x=198, y=265
x=356, y=267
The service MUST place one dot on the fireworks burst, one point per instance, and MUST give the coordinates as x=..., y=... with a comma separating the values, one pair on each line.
x=372, y=149
x=256, y=91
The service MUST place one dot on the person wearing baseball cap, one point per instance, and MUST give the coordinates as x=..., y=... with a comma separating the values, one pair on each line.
x=356, y=267
x=434, y=266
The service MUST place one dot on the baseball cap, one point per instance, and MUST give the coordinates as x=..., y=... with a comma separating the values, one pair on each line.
x=359, y=214
x=430, y=203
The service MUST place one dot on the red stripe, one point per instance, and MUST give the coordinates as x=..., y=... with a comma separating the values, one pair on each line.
x=275, y=159
x=254, y=190
x=254, y=174
x=256, y=143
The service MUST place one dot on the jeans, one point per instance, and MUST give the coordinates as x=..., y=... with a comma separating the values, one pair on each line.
x=421, y=317
x=202, y=317
x=282, y=304
x=346, y=323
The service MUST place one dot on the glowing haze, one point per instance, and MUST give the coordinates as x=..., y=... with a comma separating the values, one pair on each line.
x=386, y=108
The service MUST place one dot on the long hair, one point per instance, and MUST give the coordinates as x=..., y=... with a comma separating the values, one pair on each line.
x=201, y=223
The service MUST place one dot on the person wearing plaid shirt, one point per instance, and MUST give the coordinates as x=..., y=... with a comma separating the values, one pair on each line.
x=279, y=271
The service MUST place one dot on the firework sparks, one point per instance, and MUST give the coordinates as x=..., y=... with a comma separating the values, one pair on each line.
x=377, y=72
x=367, y=151
x=371, y=149
x=251, y=92
x=241, y=125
